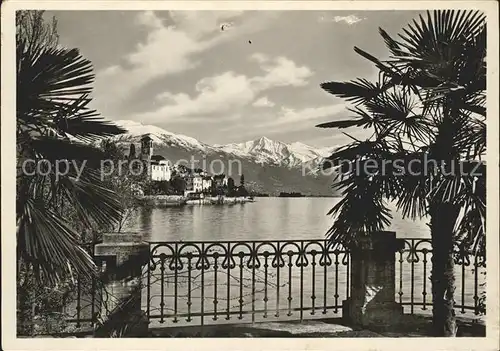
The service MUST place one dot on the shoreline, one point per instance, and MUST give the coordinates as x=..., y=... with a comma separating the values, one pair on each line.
x=179, y=200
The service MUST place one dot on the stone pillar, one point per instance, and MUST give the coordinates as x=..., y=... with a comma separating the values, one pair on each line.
x=372, y=291
x=122, y=256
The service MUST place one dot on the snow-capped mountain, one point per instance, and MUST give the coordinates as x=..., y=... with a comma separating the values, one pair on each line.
x=160, y=136
x=267, y=151
x=269, y=166
x=261, y=151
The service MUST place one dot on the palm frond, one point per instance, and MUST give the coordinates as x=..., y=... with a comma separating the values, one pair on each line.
x=383, y=67
x=80, y=122
x=470, y=227
x=431, y=38
x=96, y=205
x=362, y=210
x=356, y=91
x=364, y=120
x=351, y=152
x=47, y=78
x=52, y=98
x=428, y=111
x=54, y=149
x=434, y=46
x=50, y=245
x=40, y=216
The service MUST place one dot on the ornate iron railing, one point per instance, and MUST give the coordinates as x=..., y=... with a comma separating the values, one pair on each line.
x=252, y=280
x=247, y=281
x=413, y=284
x=209, y=282
x=84, y=299
x=90, y=302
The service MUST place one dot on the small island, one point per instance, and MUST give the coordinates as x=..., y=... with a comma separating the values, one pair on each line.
x=292, y=194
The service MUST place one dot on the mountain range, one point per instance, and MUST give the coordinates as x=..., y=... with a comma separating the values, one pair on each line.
x=269, y=166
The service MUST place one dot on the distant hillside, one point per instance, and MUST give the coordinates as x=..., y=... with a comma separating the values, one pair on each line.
x=269, y=166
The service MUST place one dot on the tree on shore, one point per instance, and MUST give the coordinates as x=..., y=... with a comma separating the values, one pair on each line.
x=126, y=178
x=33, y=29
x=230, y=187
x=242, y=191
x=178, y=184
x=132, y=153
x=427, y=114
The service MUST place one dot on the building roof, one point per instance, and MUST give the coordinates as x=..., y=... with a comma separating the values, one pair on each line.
x=146, y=137
x=160, y=163
x=157, y=158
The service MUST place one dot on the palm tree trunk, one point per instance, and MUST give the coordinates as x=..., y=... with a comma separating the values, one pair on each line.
x=443, y=218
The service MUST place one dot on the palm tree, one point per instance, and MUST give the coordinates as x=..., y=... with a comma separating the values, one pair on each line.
x=427, y=114
x=55, y=126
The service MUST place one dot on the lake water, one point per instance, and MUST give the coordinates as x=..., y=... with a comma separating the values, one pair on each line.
x=265, y=219
x=276, y=291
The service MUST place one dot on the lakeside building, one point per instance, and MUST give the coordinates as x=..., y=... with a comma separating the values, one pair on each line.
x=207, y=184
x=189, y=184
x=197, y=183
x=181, y=170
x=220, y=180
x=158, y=167
x=200, y=172
x=194, y=184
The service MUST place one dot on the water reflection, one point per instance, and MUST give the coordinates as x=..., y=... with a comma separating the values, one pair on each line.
x=268, y=218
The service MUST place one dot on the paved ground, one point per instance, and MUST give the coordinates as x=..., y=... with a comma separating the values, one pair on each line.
x=412, y=326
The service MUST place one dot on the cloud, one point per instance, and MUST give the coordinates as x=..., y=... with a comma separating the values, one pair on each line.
x=263, y=102
x=199, y=23
x=214, y=94
x=280, y=72
x=259, y=57
x=289, y=120
x=221, y=93
x=169, y=49
x=148, y=19
x=290, y=115
x=349, y=20
x=166, y=50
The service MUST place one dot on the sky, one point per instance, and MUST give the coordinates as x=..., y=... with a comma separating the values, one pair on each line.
x=260, y=76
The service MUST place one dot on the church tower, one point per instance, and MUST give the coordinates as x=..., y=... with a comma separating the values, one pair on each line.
x=147, y=153
x=146, y=147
